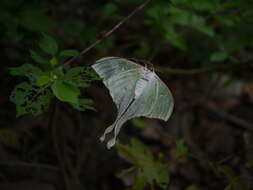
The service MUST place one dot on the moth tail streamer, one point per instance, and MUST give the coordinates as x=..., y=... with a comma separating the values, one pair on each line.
x=107, y=130
x=117, y=128
x=111, y=143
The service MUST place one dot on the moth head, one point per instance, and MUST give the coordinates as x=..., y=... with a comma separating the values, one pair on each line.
x=146, y=73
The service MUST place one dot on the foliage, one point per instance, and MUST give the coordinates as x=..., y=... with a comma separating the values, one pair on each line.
x=139, y=123
x=49, y=79
x=30, y=99
x=181, y=147
x=149, y=170
x=179, y=22
x=235, y=181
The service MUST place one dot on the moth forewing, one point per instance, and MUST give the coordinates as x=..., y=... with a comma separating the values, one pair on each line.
x=121, y=85
x=110, y=66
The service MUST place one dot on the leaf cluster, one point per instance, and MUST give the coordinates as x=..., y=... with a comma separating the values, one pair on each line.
x=205, y=32
x=47, y=80
x=149, y=171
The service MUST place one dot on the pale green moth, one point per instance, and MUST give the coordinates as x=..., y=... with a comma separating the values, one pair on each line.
x=136, y=91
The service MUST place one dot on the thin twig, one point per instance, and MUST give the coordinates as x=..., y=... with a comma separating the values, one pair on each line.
x=230, y=67
x=229, y=117
x=108, y=33
x=173, y=71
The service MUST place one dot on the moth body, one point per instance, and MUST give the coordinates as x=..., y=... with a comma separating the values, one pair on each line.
x=147, y=76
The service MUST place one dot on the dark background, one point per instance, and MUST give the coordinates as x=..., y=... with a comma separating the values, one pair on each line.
x=201, y=49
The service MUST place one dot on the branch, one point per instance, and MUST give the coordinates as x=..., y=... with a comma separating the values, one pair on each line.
x=229, y=117
x=229, y=67
x=167, y=70
x=108, y=33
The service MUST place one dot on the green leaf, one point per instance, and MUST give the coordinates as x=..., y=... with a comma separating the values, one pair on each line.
x=141, y=181
x=235, y=181
x=65, y=92
x=80, y=76
x=139, y=123
x=178, y=42
x=149, y=170
x=204, y=5
x=229, y=82
x=44, y=79
x=218, y=56
x=150, y=173
x=226, y=20
x=110, y=12
x=38, y=58
x=205, y=29
x=249, y=164
x=84, y=104
x=27, y=70
x=125, y=152
x=142, y=153
x=30, y=99
x=234, y=60
x=48, y=44
x=68, y=53
x=162, y=177
x=181, y=147
x=179, y=1
x=197, y=20
x=179, y=16
x=53, y=61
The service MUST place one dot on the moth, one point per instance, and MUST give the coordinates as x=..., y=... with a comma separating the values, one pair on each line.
x=136, y=91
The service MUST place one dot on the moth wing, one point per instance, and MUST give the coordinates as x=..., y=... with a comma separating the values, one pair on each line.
x=145, y=103
x=139, y=107
x=156, y=101
x=110, y=66
x=164, y=103
x=121, y=87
